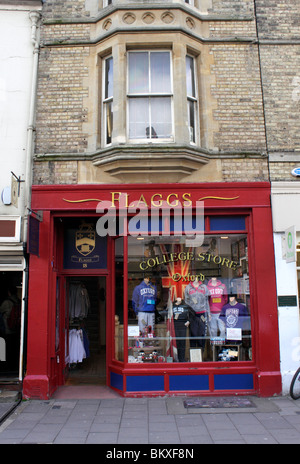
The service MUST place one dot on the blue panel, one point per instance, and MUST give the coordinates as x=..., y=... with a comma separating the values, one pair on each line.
x=116, y=381
x=189, y=382
x=227, y=223
x=145, y=383
x=234, y=382
x=181, y=223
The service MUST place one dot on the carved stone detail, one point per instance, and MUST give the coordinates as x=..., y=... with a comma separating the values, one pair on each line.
x=129, y=18
x=167, y=17
x=148, y=18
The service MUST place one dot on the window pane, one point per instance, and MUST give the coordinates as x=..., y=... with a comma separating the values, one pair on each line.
x=161, y=118
x=109, y=121
x=138, y=118
x=190, y=77
x=160, y=72
x=109, y=90
x=191, y=116
x=138, y=72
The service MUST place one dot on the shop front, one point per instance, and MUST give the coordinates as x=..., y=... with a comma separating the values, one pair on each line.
x=154, y=289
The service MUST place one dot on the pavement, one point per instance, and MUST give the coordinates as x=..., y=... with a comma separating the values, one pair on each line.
x=157, y=422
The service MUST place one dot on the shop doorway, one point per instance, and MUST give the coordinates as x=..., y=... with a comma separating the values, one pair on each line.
x=86, y=337
x=10, y=324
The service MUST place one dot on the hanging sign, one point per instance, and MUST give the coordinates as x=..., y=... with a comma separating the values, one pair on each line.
x=33, y=241
x=290, y=243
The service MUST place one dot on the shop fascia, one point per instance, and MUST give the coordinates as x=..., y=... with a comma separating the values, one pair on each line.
x=160, y=218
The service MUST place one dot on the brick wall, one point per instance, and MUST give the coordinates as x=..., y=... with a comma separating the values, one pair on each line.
x=249, y=170
x=60, y=108
x=64, y=9
x=237, y=91
x=278, y=19
x=278, y=29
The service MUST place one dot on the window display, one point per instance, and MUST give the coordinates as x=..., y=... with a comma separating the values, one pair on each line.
x=188, y=304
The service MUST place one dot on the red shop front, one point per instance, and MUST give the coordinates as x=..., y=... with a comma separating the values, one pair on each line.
x=131, y=301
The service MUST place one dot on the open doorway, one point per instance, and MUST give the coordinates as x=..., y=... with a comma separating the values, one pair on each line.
x=86, y=338
x=10, y=324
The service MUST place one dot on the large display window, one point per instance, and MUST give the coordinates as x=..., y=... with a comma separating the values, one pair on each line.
x=189, y=304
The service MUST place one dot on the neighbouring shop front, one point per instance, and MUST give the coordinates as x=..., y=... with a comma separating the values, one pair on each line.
x=13, y=278
x=122, y=293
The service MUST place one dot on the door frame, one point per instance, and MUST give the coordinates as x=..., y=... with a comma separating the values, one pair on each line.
x=58, y=366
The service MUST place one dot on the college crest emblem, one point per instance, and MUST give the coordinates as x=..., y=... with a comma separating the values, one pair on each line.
x=85, y=239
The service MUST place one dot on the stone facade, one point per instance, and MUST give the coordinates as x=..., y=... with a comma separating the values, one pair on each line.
x=248, y=100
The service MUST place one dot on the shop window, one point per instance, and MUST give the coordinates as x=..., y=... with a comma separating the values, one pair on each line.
x=150, y=96
x=188, y=304
x=108, y=100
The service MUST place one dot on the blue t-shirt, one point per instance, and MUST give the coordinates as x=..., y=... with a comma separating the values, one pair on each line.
x=144, y=297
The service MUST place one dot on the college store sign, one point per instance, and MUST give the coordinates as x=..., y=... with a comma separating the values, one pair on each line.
x=290, y=244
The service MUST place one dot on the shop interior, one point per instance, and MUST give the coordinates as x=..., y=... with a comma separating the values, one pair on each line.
x=10, y=323
x=86, y=330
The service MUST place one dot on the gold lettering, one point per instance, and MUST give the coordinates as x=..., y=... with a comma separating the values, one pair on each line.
x=188, y=202
x=233, y=265
x=217, y=259
x=142, y=200
x=173, y=257
x=225, y=262
x=119, y=196
x=113, y=199
x=176, y=201
x=182, y=256
x=142, y=265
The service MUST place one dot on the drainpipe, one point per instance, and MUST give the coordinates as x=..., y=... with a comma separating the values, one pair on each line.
x=35, y=17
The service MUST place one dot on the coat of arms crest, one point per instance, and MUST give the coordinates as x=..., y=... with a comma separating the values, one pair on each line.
x=85, y=239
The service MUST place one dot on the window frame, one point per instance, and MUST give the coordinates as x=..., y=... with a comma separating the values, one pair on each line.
x=194, y=99
x=150, y=95
x=106, y=101
x=222, y=233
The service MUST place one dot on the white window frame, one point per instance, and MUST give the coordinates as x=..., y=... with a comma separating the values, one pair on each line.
x=17, y=236
x=190, y=2
x=105, y=102
x=151, y=95
x=107, y=3
x=195, y=100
